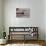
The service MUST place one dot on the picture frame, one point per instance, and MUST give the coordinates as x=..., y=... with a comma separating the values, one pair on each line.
x=23, y=12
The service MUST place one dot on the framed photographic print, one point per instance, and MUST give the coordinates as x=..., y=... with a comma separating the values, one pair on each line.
x=22, y=12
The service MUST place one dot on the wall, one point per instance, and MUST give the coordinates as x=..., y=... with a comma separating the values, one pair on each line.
x=36, y=15
x=0, y=18
x=45, y=19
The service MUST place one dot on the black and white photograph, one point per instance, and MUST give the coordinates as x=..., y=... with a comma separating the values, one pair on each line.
x=22, y=12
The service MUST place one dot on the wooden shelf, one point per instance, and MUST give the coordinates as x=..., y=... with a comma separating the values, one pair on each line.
x=24, y=33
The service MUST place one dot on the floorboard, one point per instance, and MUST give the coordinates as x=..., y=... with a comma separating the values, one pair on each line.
x=25, y=43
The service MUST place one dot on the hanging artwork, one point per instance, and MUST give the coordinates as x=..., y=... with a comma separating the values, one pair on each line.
x=22, y=12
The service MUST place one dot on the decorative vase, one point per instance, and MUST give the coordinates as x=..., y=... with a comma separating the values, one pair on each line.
x=4, y=35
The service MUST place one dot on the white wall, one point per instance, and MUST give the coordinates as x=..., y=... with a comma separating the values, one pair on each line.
x=36, y=15
x=45, y=19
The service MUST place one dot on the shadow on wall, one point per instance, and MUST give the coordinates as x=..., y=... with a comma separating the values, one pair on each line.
x=1, y=34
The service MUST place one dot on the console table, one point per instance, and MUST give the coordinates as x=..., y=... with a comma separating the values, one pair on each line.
x=23, y=33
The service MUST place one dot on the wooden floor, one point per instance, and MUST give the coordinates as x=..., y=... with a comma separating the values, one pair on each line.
x=39, y=42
